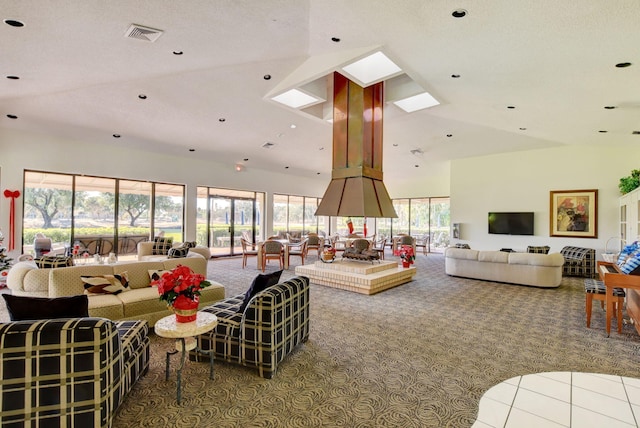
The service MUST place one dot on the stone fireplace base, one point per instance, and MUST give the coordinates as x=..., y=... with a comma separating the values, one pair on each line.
x=361, y=277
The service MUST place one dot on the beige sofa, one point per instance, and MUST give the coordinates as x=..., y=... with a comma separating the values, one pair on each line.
x=141, y=302
x=540, y=270
x=145, y=252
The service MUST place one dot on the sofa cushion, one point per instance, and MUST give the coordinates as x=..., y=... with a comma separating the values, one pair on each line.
x=105, y=284
x=23, y=308
x=178, y=252
x=260, y=283
x=106, y=306
x=137, y=272
x=50, y=262
x=161, y=246
x=536, y=259
x=493, y=256
x=461, y=253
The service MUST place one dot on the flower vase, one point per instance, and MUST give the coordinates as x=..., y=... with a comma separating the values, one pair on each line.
x=185, y=309
x=406, y=264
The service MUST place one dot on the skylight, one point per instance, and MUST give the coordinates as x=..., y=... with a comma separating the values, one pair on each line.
x=295, y=98
x=372, y=69
x=417, y=102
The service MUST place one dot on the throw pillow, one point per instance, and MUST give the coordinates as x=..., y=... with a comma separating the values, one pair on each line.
x=161, y=246
x=632, y=265
x=50, y=262
x=105, y=284
x=178, y=252
x=156, y=274
x=23, y=308
x=190, y=244
x=538, y=249
x=260, y=283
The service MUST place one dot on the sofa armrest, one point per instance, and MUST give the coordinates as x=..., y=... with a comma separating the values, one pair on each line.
x=16, y=276
x=145, y=249
x=50, y=366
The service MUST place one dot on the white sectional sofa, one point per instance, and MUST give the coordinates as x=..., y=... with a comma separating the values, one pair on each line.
x=141, y=302
x=145, y=252
x=539, y=270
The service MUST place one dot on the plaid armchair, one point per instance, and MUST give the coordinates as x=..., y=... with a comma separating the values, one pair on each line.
x=273, y=324
x=579, y=261
x=70, y=371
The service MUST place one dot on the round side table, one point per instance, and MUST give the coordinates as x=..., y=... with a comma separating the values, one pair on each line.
x=185, y=333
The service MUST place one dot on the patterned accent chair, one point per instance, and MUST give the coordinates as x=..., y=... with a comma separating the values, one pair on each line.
x=69, y=371
x=275, y=321
x=579, y=261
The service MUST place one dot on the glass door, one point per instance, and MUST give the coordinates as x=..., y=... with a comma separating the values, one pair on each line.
x=229, y=219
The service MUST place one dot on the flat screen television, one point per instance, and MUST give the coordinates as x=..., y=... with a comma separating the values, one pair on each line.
x=511, y=223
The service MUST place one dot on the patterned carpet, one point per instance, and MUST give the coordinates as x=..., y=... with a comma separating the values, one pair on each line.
x=418, y=355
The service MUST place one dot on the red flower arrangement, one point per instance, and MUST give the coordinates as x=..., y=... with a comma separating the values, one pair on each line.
x=181, y=281
x=406, y=253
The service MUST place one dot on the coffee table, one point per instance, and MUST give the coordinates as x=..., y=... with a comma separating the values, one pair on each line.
x=185, y=341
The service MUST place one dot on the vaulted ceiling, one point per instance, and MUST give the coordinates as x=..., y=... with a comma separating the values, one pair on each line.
x=509, y=75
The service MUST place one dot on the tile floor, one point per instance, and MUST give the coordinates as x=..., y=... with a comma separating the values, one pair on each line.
x=561, y=399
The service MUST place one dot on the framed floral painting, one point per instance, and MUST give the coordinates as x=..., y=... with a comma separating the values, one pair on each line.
x=573, y=213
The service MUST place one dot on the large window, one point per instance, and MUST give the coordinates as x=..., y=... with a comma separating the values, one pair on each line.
x=98, y=214
x=297, y=214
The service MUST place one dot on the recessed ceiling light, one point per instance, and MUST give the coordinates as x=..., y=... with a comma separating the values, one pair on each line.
x=609, y=107
x=293, y=126
x=268, y=145
x=295, y=98
x=267, y=77
x=602, y=131
x=623, y=64
x=417, y=166
x=12, y=116
x=192, y=150
x=335, y=39
x=417, y=102
x=511, y=107
x=142, y=96
x=372, y=68
x=246, y=159
x=239, y=167
x=395, y=144
x=116, y=135
x=523, y=129
x=459, y=13
x=178, y=52
x=449, y=135
x=222, y=119
x=13, y=77
x=13, y=23
x=455, y=76
x=321, y=148
x=286, y=167
x=635, y=133
x=317, y=173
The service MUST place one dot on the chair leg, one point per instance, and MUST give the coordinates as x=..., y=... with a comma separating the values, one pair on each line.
x=588, y=307
x=619, y=315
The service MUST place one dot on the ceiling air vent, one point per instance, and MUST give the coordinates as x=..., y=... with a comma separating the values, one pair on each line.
x=141, y=32
x=268, y=145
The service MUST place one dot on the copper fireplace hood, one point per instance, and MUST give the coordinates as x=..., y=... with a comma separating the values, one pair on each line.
x=356, y=188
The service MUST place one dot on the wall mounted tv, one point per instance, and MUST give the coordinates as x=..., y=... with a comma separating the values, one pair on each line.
x=511, y=223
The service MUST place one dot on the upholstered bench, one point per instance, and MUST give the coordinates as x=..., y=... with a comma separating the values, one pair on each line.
x=274, y=322
x=69, y=371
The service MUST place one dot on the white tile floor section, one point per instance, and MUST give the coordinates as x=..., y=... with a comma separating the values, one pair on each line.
x=561, y=399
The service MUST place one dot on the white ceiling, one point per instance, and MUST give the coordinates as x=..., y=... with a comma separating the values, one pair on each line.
x=554, y=61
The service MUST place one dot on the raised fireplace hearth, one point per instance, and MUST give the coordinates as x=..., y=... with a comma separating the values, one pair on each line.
x=351, y=275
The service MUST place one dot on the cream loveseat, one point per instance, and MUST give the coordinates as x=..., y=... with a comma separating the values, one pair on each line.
x=540, y=270
x=141, y=302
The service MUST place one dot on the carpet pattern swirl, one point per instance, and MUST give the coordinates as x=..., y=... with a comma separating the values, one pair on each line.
x=418, y=355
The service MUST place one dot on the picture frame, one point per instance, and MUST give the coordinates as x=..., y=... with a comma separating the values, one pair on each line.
x=573, y=213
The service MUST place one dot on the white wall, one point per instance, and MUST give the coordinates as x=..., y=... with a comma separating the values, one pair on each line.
x=21, y=150
x=522, y=181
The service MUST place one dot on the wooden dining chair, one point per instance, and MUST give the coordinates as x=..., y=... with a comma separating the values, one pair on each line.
x=272, y=250
x=298, y=251
x=248, y=250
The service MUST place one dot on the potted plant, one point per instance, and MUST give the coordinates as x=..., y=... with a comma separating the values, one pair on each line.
x=180, y=288
x=629, y=183
x=406, y=254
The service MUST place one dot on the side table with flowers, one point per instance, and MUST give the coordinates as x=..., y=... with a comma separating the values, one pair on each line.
x=180, y=288
x=406, y=254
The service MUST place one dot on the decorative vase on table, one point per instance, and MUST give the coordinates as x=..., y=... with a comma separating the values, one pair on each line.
x=185, y=308
x=180, y=288
x=406, y=264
